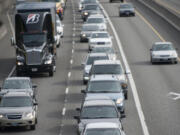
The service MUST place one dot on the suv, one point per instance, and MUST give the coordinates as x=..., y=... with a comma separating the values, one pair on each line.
x=18, y=109
x=109, y=86
x=98, y=111
x=89, y=61
x=19, y=84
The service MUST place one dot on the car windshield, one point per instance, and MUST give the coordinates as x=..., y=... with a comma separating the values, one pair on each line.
x=16, y=84
x=126, y=6
x=102, y=50
x=34, y=40
x=103, y=131
x=104, y=86
x=100, y=35
x=95, y=112
x=89, y=1
x=107, y=69
x=90, y=60
x=90, y=28
x=91, y=7
x=16, y=101
x=95, y=20
x=163, y=47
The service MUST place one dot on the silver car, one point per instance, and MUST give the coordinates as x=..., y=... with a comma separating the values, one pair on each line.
x=103, y=128
x=19, y=84
x=106, y=85
x=18, y=109
x=126, y=9
x=97, y=111
x=99, y=38
x=163, y=52
x=89, y=61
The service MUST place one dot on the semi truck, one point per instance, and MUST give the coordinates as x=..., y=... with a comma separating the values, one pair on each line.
x=35, y=37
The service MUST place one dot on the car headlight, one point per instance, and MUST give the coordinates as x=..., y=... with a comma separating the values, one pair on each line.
x=19, y=63
x=85, y=13
x=48, y=61
x=173, y=55
x=29, y=115
x=119, y=101
x=1, y=116
x=83, y=35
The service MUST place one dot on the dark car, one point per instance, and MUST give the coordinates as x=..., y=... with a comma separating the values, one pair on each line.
x=126, y=9
x=90, y=9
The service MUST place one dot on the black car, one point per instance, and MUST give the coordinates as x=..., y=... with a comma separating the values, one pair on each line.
x=116, y=0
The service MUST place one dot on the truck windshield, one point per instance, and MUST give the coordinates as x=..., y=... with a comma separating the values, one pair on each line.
x=34, y=40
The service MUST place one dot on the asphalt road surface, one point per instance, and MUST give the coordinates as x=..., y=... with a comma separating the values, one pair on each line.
x=58, y=96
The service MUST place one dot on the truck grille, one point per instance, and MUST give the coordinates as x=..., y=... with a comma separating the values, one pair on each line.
x=14, y=116
x=101, y=43
x=33, y=58
x=164, y=55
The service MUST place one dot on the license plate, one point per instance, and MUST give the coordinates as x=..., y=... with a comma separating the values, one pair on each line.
x=14, y=124
x=34, y=69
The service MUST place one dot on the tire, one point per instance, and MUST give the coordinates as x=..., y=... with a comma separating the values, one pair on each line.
x=120, y=15
x=110, y=1
x=84, y=82
x=33, y=127
x=36, y=121
x=126, y=95
x=51, y=73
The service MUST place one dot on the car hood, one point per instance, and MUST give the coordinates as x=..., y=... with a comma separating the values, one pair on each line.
x=163, y=52
x=87, y=68
x=15, y=110
x=100, y=40
x=113, y=96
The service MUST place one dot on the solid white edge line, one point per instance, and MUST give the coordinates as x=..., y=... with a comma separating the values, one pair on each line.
x=12, y=71
x=11, y=25
x=3, y=33
x=67, y=90
x=69, y=74
x=130, y=77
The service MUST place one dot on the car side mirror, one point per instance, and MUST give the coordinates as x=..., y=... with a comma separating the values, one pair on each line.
x=124, y=85
x=127, y=71
x=12, y=42
x=150, y=49
x=0, y=88
x=82, y=64
x=76, y=117
x=34, y=86
x=35, y=103
x=122, y=116
x=112, y=37
x=83, y=91
x=78, y=109
x=62, y=25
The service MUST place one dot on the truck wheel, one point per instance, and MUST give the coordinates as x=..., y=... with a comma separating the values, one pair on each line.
x=33, y=127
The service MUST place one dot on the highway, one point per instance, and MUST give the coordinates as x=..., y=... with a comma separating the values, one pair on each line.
x=58, y=96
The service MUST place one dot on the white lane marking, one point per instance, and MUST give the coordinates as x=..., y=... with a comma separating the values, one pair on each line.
x=12, y=71
x=73, y=42
x=74, y=29
x=74, y=34
x=71, y=61
x=67, y=91
x=72, y=50
x=130, y=77
x=3, y=33
x=69, y=74
x=64, y=111
x=174, y=95
x=10, y=23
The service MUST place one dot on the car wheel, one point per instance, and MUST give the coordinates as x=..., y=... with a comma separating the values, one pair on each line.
x=51, y=72
x=33, y=127
x=120, y=15
x=84, y=82
x=36, y=121
x=110, y=1
x=2, y=128
x=126, y=95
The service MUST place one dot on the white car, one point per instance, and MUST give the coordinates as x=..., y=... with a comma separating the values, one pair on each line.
x=163, y=52
x=99, y=20
x=99, y=38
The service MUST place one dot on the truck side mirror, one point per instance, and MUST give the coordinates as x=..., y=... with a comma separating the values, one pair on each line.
x=34, y=86
x=83, y=91
x=12, y=42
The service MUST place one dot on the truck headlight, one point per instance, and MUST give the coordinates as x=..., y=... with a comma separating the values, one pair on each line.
x=1, y=116
x=48, y=61
x=19, y=63
x=119, y=101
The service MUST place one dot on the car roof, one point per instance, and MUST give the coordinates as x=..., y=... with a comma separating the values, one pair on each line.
x=106, y=62
x=18, y=78
x=96, y=15
x=102, y=125
x=19, y=94
x=89, y=24
x=102, y=46
x=96, y=54
x=103, y=78
x=99, y=103
x=95, y=32
x=87, y=98
x=159, y=43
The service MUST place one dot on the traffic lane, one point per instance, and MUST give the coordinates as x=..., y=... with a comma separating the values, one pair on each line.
x=131, y=124
x=153, y=82
x=7, y=53
x=51, y=89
